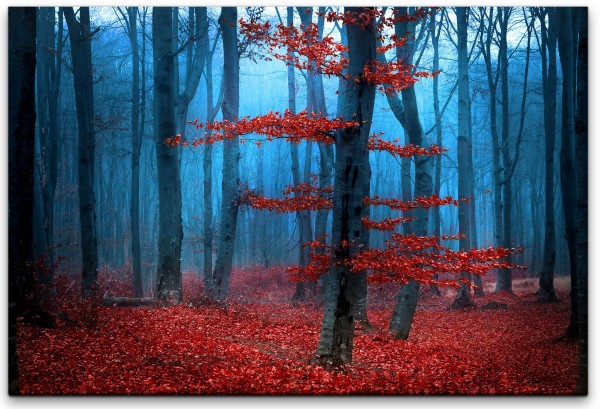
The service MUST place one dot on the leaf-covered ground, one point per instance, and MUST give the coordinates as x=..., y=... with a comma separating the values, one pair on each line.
x=261, y=344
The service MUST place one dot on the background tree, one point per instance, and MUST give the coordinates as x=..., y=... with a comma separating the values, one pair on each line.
x=83, y=81
x=49, y=70
x=465, y=174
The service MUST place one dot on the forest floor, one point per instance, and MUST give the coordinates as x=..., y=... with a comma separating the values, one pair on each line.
x=261, y=343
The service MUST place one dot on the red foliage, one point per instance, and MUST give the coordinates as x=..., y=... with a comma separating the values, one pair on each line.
x=422, y=202
x=264, y=348
x=377, y=144
x=306, y=196
x=274, y=125
x=305, y=50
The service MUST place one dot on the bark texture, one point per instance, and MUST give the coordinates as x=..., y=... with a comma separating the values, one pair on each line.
x=21, y=140
x=81, y=54
x=170, y=233
x=548, y=41
x=231, y=156
x=567, y=154
x=355, y=101
x=406, y=301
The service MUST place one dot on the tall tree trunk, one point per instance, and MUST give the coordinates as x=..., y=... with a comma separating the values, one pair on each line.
x=463, y=297
x=21, y=142
x=486, y=47
x=581, y=131
x=504, y=282
x=48, y=80
x=438, y=130
x=406, y=301
x=211, y=113
x=170, y=233
x=548, y=36
x=81, y=54
x=355, y=101
x=302, y=217
x=136, y=146
x=231, y=155
x=567, y=154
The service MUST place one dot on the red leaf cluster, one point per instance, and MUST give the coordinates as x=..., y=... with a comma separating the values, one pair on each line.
x=306, y=196
x=405, y=206
x=375, y=143
x=305, y=50
x=274, y=125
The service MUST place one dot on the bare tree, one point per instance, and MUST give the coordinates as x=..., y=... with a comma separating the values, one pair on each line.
x=81, y=54
x=231, y=156
x=170, y=232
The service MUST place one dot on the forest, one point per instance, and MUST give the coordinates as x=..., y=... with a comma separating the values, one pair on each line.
x=298, y=200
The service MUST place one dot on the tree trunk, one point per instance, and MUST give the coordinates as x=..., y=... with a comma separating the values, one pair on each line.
x=355, y=101
x=463, y=297
x=81, y=54
x=196, y=59
x=504, y=282
x=433, y=289
x=136, y=146
x=546, y=281
x=581, y=131
x=231, y=155
x=406, y=301
x=170, y=233
x=21, y=142
x=496, y=166
x=567, y=154
x=48, y=80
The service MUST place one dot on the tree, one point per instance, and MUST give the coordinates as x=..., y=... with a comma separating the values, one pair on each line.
x=212, y=108
x=581, y=131
x=567, y=153
x=548, y=51
x=435, y=38
x=83, y=81
x=49, y=69
x=355, y=101
x=131, y=30
x=219, y=286
x=492, y=80
x=195, y=59
x=465, y=178
x=406, y=302
x=22, y=61
x=169, y=184
x=407, y=257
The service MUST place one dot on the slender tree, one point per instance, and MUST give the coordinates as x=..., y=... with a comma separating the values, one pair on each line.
x=567, y=153
x=49, y=67
x=463, y=297
x=231, y=156
x=170, y=233
x=548, y=51
x=83, y=81
x=212, y=109
x=406, y=301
